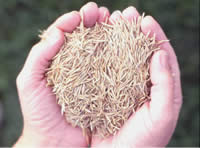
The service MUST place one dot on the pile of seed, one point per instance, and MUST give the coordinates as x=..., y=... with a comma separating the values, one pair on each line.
x=101, y=75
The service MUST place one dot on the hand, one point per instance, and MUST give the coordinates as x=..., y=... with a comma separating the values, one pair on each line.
x=43, y=123
x=154, y=123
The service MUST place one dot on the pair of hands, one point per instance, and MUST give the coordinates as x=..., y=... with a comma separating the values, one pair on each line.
x=152, y=125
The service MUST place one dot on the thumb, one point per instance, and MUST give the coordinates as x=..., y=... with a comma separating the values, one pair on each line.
x=161, y=105
x=41, y=53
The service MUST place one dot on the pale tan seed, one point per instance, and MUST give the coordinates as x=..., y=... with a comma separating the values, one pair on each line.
x=100, y=75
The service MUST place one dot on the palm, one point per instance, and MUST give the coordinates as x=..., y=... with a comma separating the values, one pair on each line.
x=43, y=114
x=138, y=131
x=154, y=123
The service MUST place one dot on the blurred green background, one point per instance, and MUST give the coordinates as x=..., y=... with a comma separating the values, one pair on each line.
x=21, y=20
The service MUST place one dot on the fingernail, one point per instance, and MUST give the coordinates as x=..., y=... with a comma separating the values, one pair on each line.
x=117, y=14
x=164, y=60
x=91, y=3
x=130, y=8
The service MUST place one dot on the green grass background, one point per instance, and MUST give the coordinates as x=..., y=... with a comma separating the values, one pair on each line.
x=20, y=21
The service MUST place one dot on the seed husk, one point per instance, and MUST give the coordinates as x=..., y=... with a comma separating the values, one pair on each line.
x=101, y=75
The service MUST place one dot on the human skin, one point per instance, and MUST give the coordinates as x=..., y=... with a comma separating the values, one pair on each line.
x=152, y=125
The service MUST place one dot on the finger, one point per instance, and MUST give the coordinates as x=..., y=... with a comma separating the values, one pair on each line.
x=130, y=13
x=67, y=22
x=115, y=16
x=161, y=104
x=90, y=13
x=149, y=24
x=103, y=14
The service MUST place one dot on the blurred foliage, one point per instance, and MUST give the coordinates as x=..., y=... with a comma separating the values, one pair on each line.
x=21, y=21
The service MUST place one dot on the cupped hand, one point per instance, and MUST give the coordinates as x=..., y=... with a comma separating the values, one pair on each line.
x=43, y=123
x=154, y=123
